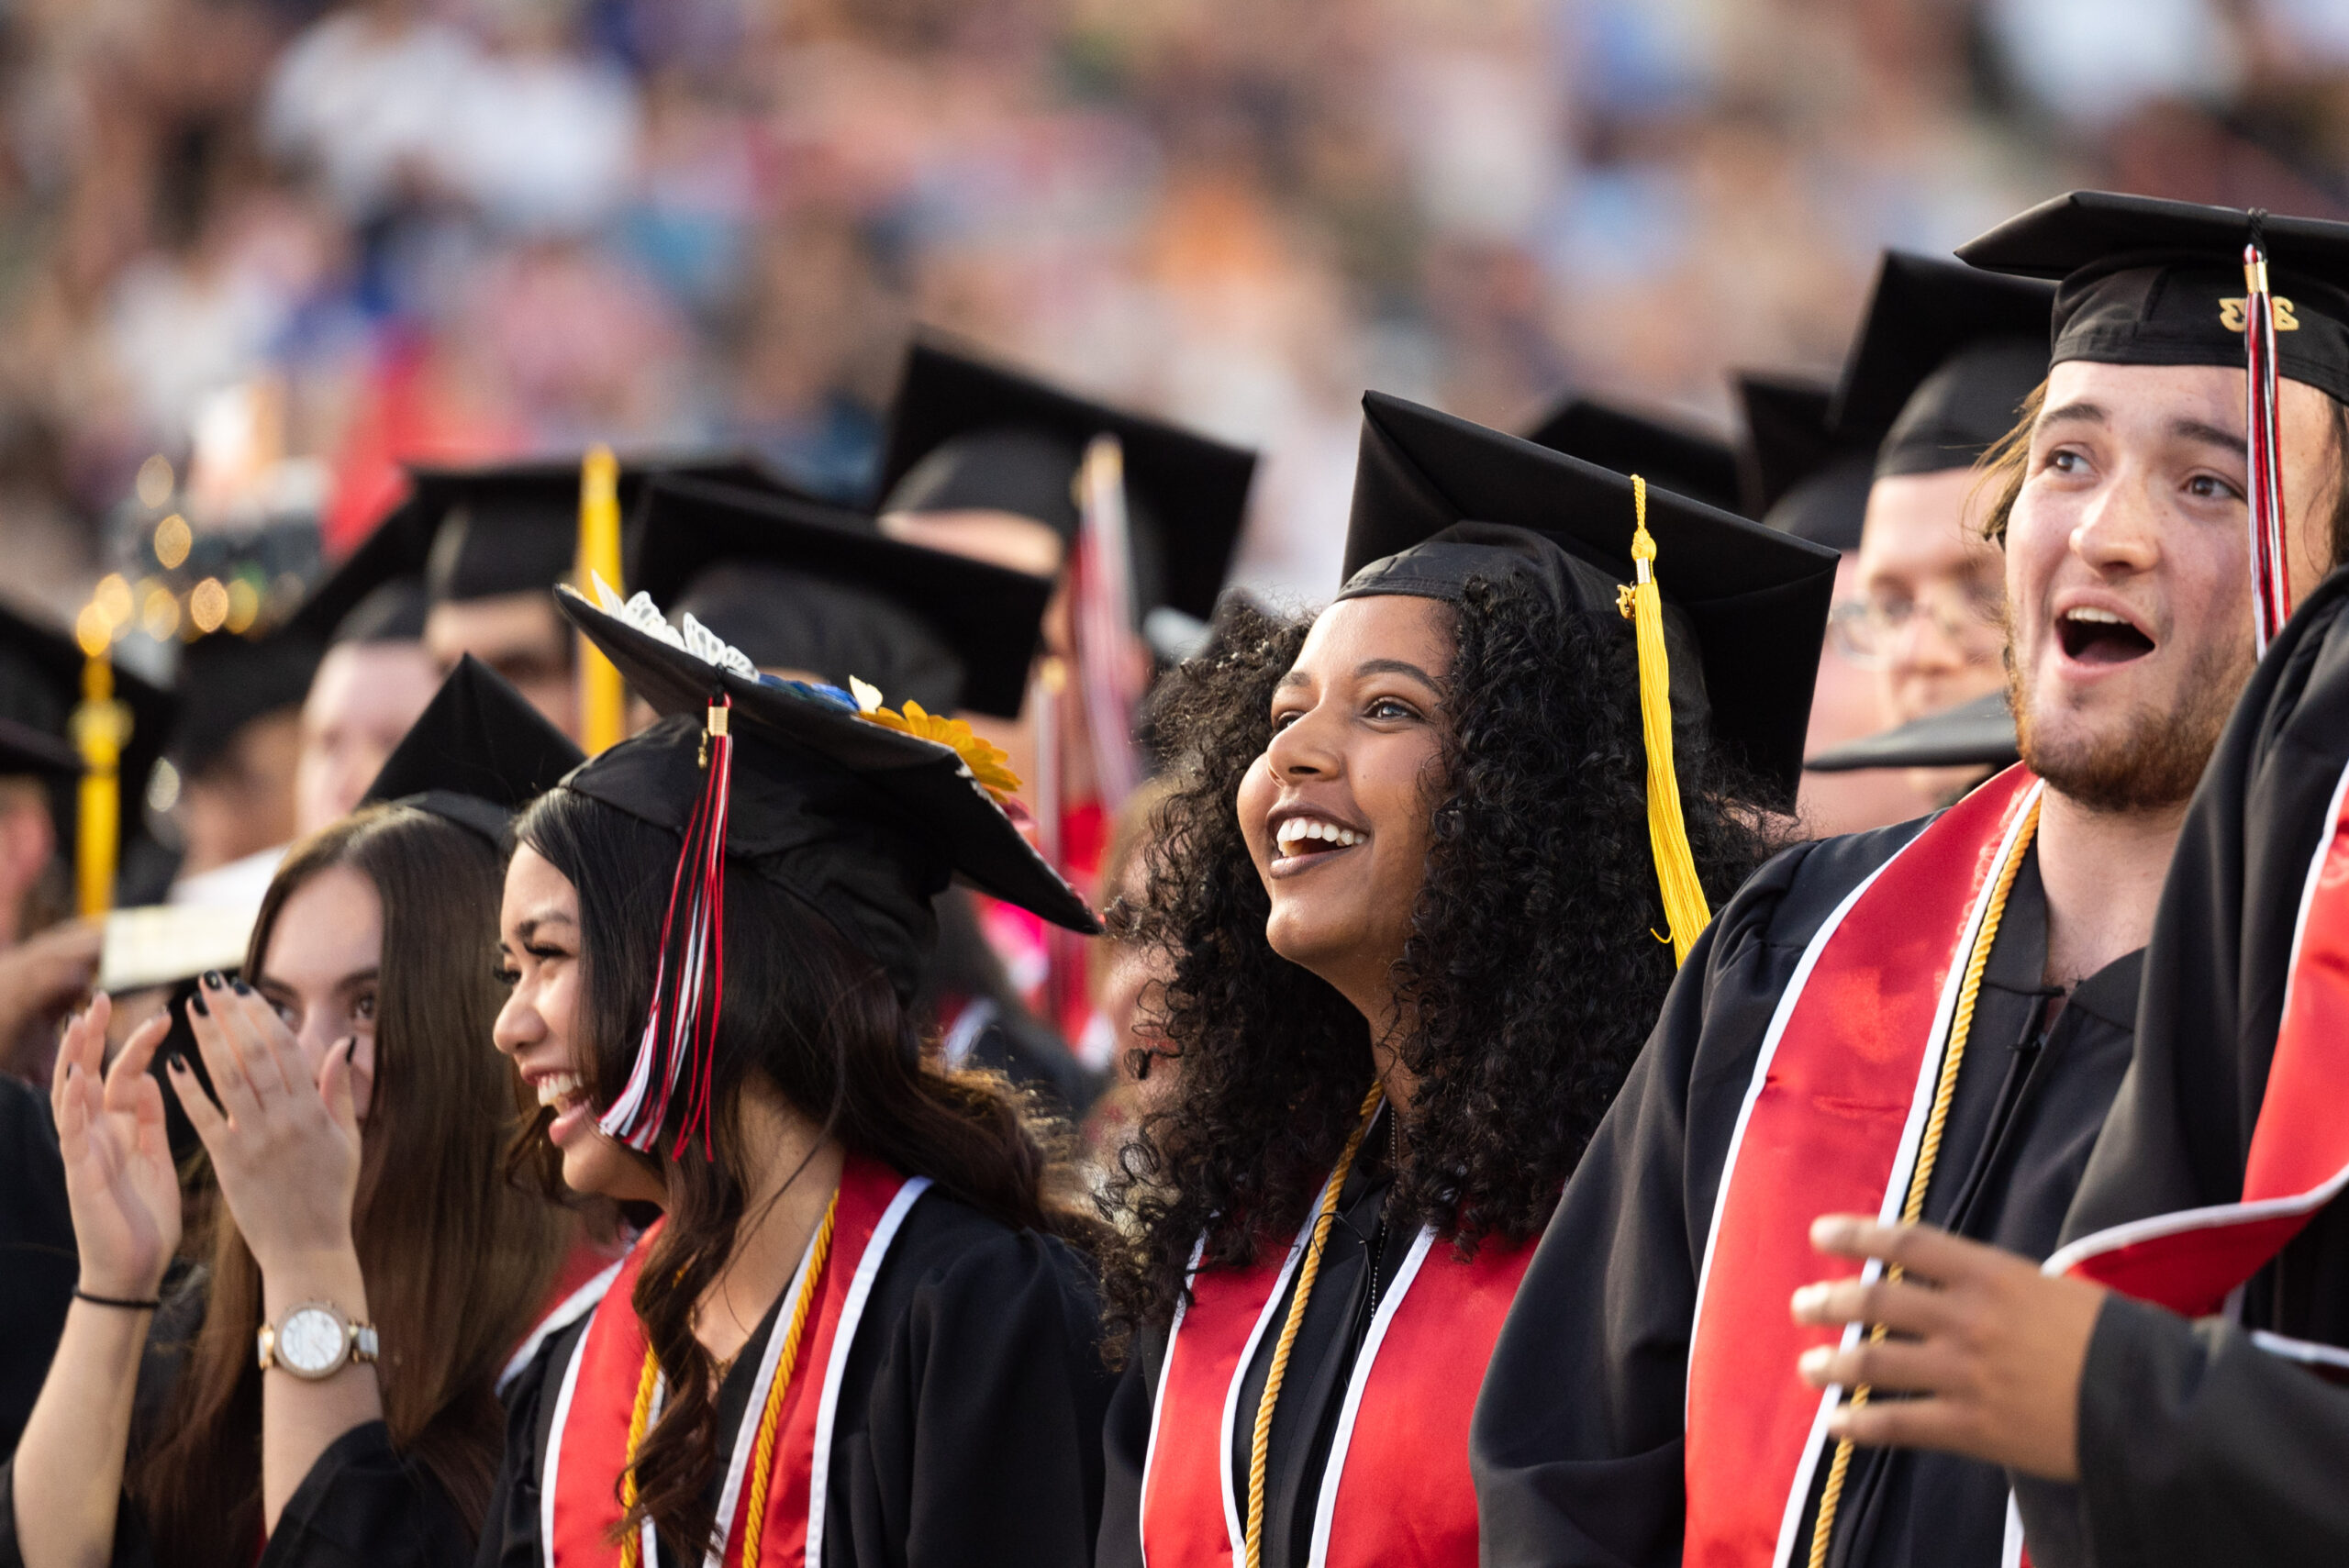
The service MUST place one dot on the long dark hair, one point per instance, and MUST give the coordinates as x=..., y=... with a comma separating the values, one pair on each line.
x=1531, y=971
x=819, y=1020
x=458, y=1261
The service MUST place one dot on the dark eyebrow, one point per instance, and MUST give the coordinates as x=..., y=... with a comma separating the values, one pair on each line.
x=2089, y=413
x=1397, y=667
x=1294, y=678
x=2208, y=435
x=527, y=928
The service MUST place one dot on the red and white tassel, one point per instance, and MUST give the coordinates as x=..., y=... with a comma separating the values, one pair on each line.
x=2271, y=586
x=1112, y=666
x=674, y=1056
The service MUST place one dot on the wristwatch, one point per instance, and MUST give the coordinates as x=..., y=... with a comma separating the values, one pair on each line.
x=313, y=1341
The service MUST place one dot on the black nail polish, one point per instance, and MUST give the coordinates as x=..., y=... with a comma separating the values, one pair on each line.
x=178, y=1063
x=241, y=988
x=214, y=979
x=195, y=1004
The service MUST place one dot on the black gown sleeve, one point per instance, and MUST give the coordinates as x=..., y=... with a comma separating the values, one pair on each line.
x=1576, y=1445
x=1125, y=1444
x=38, y=1261
x=364, y=1504
x=510, y=1527
x=2197, y=1446
x=976, y=1437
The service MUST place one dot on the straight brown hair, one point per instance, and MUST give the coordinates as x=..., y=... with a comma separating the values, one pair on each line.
x=458, y=1261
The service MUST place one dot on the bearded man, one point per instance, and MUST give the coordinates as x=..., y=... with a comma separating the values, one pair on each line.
x=1928, y=1023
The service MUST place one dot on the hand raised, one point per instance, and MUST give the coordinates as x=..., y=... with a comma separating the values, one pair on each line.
x=284, y=1143
x=119, y=1179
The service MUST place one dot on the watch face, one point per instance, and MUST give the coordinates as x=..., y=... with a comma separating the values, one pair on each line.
x=309, y=1341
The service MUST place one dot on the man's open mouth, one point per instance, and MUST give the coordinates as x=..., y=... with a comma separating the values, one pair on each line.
x=2092, y=636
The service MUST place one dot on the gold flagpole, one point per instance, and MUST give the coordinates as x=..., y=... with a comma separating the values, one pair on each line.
x=603, y=699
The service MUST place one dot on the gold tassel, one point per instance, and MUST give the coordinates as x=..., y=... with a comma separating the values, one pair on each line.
x=101, y=726
x=603, y=699
x=1684, y=910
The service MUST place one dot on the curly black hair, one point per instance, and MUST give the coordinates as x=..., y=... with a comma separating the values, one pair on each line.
x=1532, y=966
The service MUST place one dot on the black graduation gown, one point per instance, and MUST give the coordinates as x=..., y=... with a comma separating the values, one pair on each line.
x=1577, y=1442
x=1337, y=1322
x=2196, y=1446
x=969, y=1424
x=362, y=1503
x=39, y=1260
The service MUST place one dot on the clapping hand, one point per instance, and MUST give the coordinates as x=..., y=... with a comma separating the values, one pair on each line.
x=119, y=1178
x=284, y=1137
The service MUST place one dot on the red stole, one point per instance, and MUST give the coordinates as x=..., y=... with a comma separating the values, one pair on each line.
x=589, y=1447
x=2192, y=1261
x=1396, y=1490
x=1831, y=1123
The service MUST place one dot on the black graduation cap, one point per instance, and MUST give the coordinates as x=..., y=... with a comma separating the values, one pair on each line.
x=1663, y=452
x=513, y=528
x=798, y=584
x=1801, y=476
x=40, y=685
x=968, y=433
x=477, y=754
x=376, y=595
x=1753, y=601
x=1944, y=357
x=227, y=680
x=1980, y=733
x=2160, y=283
x=863, y=822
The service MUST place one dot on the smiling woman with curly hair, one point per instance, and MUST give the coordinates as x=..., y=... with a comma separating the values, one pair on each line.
x=1411, y=903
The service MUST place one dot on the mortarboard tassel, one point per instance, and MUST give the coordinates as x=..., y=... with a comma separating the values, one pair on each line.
x=603, y=699
x=673, y=1057
x=101, y=727
x=1684, y=910
x=2271, y=584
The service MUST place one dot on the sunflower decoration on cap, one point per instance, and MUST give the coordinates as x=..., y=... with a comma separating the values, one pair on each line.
x=986, y=762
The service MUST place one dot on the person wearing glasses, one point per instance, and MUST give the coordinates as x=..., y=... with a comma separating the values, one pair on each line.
x=1936, y=377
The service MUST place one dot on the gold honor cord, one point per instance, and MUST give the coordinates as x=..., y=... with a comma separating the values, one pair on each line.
x=1686, y=913
x=769, y=1420
x=1311, y=1266
x=1928, y=1150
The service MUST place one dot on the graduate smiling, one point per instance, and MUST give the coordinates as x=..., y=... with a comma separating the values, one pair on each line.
x=1928, y=1023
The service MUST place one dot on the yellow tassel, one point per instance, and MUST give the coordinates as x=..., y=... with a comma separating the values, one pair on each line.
x=1684, y=910
x=101, y=727
x=603, y=699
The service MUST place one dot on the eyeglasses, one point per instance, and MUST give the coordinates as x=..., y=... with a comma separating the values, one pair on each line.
x=1870, y=632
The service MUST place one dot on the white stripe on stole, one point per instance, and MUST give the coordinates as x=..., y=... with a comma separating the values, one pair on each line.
x=1895, y=1187
x=554, y=1446
x=574, y=1307
x=1325, y=1506
x=844, y=1337
x=1158, y=1403
x=1228, y=1431
x=746, y=1439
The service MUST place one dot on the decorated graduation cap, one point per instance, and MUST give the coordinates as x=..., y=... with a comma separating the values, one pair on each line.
x=1944, y=357
x=1666, y=453
x=2146, y=282
x=477, y=754
x=1801, y=476
x=800, y=586
x=860, y=812
x=1728, y=615
x=227, y=680
x=1980, y=733
x=968, y=434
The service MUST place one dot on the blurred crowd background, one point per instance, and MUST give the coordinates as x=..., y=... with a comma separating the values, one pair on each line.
x=252, y=252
